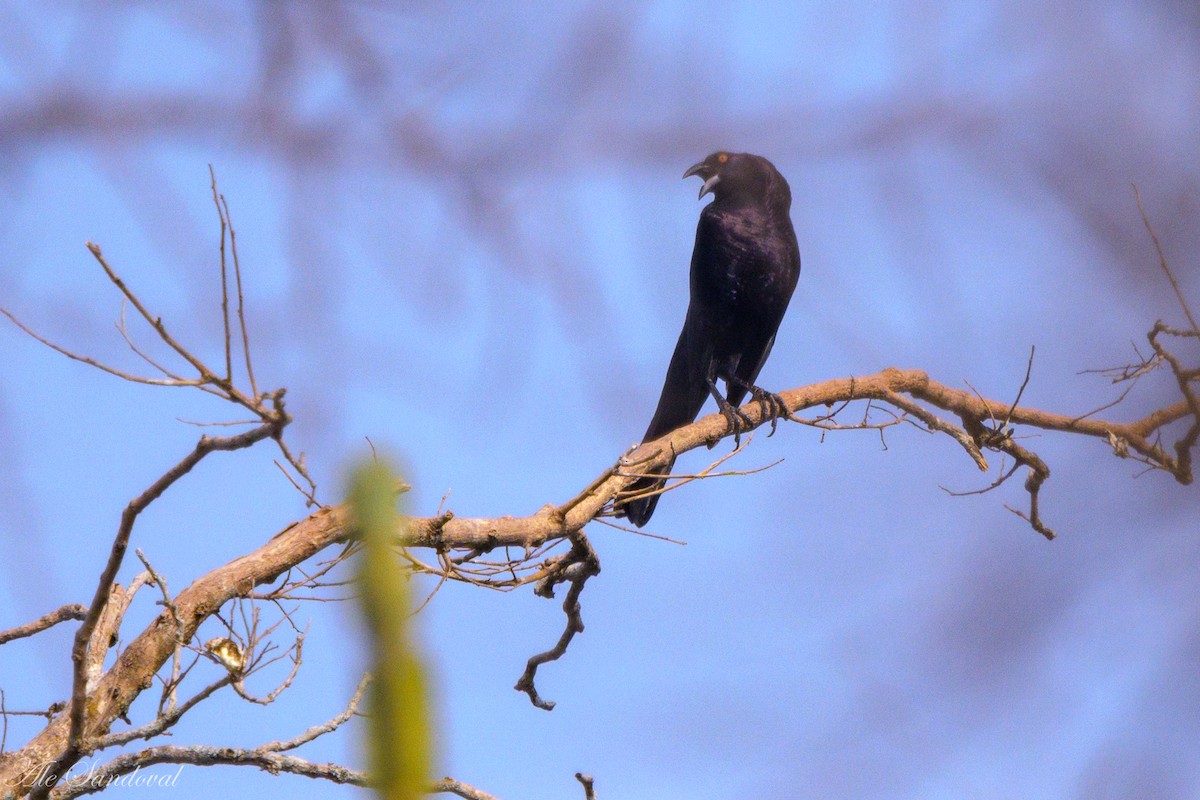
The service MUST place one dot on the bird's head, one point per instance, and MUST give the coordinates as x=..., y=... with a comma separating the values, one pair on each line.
x=740, y=175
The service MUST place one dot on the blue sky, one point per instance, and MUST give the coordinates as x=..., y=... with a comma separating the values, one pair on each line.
x=464, y=236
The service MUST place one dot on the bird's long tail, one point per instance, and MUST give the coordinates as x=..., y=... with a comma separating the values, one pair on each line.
x=682, y=398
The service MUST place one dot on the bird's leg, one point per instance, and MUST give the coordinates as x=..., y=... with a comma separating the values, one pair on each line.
x=734, y=417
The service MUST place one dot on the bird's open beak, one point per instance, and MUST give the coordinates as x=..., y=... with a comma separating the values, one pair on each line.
x=705, y=171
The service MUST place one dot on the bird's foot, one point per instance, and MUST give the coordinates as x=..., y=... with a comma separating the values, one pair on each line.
x=736, y=420
x=770, y=405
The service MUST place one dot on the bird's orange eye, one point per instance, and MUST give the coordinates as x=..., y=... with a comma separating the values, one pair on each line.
x=722, y=158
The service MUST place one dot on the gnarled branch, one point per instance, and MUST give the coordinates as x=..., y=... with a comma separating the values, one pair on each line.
x=147, y=653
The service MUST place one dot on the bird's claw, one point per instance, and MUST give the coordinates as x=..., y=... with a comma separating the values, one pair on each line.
x=770, y=405
x=737, y=422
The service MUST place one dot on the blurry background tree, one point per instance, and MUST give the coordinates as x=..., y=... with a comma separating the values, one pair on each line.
x=468, y=242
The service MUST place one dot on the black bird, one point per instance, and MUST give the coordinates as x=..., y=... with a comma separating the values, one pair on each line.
x=744, y=269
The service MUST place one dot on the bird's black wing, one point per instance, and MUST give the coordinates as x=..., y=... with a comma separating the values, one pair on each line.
x=767, y=279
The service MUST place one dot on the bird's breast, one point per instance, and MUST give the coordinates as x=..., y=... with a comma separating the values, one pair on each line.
x=744, y=261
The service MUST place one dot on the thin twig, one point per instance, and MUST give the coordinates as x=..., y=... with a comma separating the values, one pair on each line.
x=1162, y=261
x=638, y=531
x=120, y=324
x=155, y=322
x=91, y=362
x=309, y=498
x=993, y=485
x=169, y=697
x=1017, y=401
x=296, y=652
x=224, y=280
x=241, y=310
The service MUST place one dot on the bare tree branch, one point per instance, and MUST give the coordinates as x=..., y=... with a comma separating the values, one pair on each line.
x=204, y=756
x=207, y=444
x=451, y=786
x=300, y=541
x=583, y=565
x=589, y=788
x=325, y=727
x=164, y=721
x=71, y=611
x=98, y=700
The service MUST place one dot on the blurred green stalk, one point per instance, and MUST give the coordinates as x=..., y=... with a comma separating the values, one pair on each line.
x=400, y=731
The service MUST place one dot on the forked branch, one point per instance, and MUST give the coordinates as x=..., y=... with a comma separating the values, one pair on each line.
x=547, y=548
